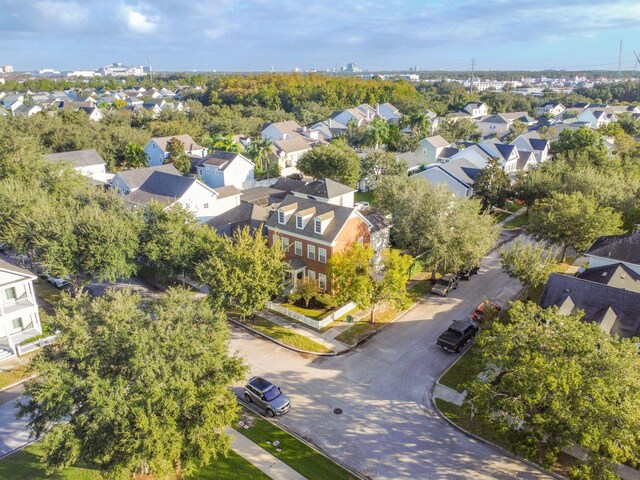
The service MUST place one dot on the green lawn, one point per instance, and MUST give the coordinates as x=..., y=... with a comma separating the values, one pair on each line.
x=364, y=197
x=498, y=217
x=314, y=313
x=420, y=289
x=517, y=222
x=299, y=456
x=512, y=206
x=462, y=371
x=25, y=465
x=286, y=336
x=9, y=377
x=47, y=292
x=364, y=327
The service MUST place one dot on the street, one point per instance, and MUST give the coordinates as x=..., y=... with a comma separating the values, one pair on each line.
x=387, y=428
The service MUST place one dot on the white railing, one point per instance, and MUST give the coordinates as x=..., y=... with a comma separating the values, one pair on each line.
x=35, y=345
x=259, y=183
x=317, y=324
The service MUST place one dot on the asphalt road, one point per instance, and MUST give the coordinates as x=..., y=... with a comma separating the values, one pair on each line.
x=388, y=429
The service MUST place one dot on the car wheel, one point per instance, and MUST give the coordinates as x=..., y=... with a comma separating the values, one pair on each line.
x=270, y=413
x=247, y=398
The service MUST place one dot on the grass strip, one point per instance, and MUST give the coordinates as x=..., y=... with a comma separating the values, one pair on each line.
x=286, y=335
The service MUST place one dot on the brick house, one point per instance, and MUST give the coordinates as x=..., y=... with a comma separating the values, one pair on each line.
x=312, y=231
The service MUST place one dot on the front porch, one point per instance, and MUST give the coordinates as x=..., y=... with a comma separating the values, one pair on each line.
x=294, y=274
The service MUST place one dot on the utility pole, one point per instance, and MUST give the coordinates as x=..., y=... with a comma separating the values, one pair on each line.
x=473, y=68
x=620, y=60
x=150, y=72
x=637, y=60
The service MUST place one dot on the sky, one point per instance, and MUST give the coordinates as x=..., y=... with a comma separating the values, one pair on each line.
x=250, y=35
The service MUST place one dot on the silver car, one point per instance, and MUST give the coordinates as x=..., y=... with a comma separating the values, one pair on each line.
x=267, y=395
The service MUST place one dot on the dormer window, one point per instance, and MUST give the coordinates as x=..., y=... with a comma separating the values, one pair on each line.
x=299, y=223
x=317, y=226
x=281, y=217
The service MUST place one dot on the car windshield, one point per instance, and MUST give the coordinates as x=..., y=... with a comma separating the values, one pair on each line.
x=444, y=282
x=272, y=393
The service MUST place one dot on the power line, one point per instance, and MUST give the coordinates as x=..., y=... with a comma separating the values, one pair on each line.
x=473, y=67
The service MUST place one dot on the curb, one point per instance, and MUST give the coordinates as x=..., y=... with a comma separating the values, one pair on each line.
x=502, y=450
x=303, y=440
x=288, y=347
x=20, y=382
x=21, y=447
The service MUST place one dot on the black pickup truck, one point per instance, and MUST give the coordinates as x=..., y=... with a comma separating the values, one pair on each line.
x=458, y=334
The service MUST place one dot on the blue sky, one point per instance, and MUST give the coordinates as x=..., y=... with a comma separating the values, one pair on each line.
x=259, y=34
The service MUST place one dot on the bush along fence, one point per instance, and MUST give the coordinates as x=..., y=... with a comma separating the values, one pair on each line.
x=317, y=324
x=35, y=345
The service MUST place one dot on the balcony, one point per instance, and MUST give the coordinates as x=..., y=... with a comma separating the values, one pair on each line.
x=17, y=305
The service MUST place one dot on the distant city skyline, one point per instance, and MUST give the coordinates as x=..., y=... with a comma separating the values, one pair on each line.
x=257, y=35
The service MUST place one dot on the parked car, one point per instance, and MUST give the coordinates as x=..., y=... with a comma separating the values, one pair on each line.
x=485, y=308
x=4, y=248
x=466, y=272
x=444, y=286
x=459, y=333
x=57, y=282
x=267, y=395
x=296, y=176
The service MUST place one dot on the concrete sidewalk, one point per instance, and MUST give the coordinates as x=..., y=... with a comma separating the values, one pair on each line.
x=515, y=214
x=448, y=394
x=326, y=338
x=260, y=458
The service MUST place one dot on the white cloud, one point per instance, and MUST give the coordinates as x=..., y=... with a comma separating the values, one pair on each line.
x=137, y=21
x=64, y=13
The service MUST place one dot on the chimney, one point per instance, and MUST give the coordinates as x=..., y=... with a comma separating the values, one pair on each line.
x=330, y=122
x=377, y=109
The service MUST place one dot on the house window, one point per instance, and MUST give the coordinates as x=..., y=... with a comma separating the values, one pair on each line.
x=285, y=243
x=153, y=145
x=206, y=205
x=299, y=248
x=322, y=281
x=311, y=252
x=281, y=217
x=311, y=275
x=16, y=324
x=317, y=227
x=322, y=255
x=10, y=294
x=298, y=221
x=341, y=201
x=276, y=239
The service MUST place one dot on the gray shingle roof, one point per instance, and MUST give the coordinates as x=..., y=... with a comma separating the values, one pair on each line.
x=189, y=143
x=79, y=158
x=341, y=215
x=263, y=195
x=136, y=177
x=245, y=214
x=221, y=159
x=616, y=310
x=161, y=187
x=616, y=275
x=623, y=248
x=324, y=188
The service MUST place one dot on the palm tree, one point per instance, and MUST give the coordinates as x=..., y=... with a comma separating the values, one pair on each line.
x=224, y=143
x=419, y=122
x=259, y=151
x=378, y=132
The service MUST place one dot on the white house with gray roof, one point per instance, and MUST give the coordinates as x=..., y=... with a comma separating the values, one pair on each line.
x=221, y=169
x=156, y=149
x=86, y=162
x=458, y=176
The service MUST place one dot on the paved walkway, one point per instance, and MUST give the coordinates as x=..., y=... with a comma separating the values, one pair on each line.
x=448, y=394
x=515, y=214
x=326, y=338
x=260, y=458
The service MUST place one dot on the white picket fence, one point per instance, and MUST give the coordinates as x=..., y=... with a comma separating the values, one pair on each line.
x=259, y=183
x=30, y=347
x=317, y=324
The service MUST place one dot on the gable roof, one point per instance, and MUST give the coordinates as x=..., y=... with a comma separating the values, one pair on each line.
x=616, y=310
x=288, y=184
x=79, y=158
x=136, y=177
x=461, y=170
x=11, y=268
x=437, y=141
x=341, y=216
x=623, y=248
x=263, y=195
x=616, y=275
x=324, y=188
x=222, y=159
x=189, y=143
x=161, y=187
x=245, y=214
x=293, y=144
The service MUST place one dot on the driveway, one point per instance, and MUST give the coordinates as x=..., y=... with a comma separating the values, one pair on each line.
x=387, y=428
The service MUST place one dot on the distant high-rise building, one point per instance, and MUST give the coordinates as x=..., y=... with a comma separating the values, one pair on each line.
x=352, y=67
x=6, y=69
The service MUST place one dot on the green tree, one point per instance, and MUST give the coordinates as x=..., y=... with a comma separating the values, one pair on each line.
x=572, y=220
x=134, y=156
x=259, y=150
x=172, y=242
x=442, y=230
x=539, y=370
x=491, y=185
x=224, y=143
x=134, y=390
x=355, y=277
x=119, y=104
x=335, y=160
x=419, y=122
x=584, y=141
x=244, y=273
x=306, y=290
x=516, y=129
x=378, y=133
x=460, y=129
x=530, y=263
x=533, y=185
x=380, y=163
x=177, y=156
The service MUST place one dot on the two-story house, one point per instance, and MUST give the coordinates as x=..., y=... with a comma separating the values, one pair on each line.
x=221, y=169
x=311, y=231
x=430, y=148
x=18, y=308
x=476, y=110
x=156, y=149
x=531, y=142
x=596, y=117
x=290, y=142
